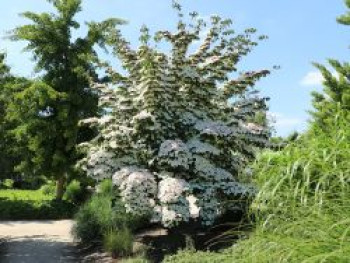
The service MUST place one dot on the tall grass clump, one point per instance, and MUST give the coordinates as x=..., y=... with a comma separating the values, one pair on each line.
x=302, y=210
x=102, y=213
x=118, y=242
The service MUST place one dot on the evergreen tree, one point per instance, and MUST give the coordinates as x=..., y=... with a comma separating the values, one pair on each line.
x=335, y=97
x=9, y=148
x=6, y=162
x=48, y=111
x=177, y=131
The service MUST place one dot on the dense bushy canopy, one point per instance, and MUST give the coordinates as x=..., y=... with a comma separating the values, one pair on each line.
x=6, y=164
x=9, y=149
x=177, y=130
x=48, y=110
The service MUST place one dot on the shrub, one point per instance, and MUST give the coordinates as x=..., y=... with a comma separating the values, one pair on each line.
x=75, y=193
x=105, y=187
x=186, y=129
x=31, y=182
x=100, y=214
x=92, y=219
x=7, y=184
x=32, y=205
x=118, y=242
x=48, y=189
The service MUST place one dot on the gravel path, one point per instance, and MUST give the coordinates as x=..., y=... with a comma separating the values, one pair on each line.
x=37, y=242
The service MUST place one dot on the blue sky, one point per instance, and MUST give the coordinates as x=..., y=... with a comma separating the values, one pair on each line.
x=300, y=32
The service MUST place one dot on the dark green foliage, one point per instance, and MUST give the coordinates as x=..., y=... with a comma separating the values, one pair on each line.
x=48, y=111
x=6, y=184
x=7, y=145
x=48, y=189
x=106, y=187
x=336, y=92
x=33, y=205
x=101, y=214
x=32, y=182
x=345, y=19
x=88, y=224
x=35, y=210
x=335, y=97
x=75, y=192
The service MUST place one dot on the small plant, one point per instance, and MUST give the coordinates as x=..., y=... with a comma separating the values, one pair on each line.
x=118, y=242
x=48, y=189
x=100, y=214
x=75, y=192
x=105, y=187
x=7, y=184
x=92, y=219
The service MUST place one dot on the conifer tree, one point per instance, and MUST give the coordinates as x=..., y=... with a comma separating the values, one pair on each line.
x=177, y=131
x=49, y=110
x=6, y=162
x=9, y=149
x=335, y=97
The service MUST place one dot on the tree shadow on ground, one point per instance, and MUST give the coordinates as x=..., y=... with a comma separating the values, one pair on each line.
x=193, y=235
x=37, y=251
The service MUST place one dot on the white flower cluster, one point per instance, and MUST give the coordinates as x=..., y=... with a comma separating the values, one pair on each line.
x=143, y=115
x=138, y=189
x=215, y=128
x=100, y=163
x=171, y=189
x=253, y=128
x=174, y=206
x=175, y=154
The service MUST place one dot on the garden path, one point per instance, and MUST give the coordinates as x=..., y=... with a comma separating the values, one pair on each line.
x=37, y=242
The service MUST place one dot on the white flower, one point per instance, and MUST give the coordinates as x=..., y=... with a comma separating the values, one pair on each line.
x=253, y=127
x=120, y=176
x=194, y=209
x=143, y=115
x=138, y=189
x=105, y=119
x=89, y=121
x=171, y=189
x=214, y=128
x=175, y=154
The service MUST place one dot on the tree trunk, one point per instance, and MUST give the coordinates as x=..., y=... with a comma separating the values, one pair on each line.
x=60, y=187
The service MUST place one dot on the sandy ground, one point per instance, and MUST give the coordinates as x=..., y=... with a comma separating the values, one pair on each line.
x=59, y=230
x=37, y=242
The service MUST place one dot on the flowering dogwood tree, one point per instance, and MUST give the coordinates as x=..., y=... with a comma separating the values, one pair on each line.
x=177, y=130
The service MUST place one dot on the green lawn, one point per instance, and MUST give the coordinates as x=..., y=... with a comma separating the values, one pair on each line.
x=32, y=195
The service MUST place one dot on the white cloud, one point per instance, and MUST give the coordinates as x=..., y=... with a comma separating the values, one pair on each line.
x=312, y=78
x=282, y=121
